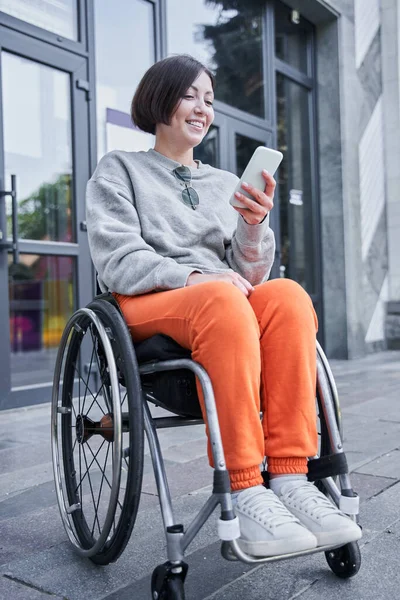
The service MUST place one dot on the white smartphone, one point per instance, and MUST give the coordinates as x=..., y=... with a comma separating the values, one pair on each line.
x=263, y=158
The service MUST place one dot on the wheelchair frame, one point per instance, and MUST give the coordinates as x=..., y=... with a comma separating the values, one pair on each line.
x=174, y=570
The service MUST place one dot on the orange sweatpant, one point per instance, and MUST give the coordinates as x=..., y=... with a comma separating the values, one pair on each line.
x=260, y=353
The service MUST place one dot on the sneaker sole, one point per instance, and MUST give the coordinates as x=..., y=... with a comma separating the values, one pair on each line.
x=339, y=537
x=277, y=547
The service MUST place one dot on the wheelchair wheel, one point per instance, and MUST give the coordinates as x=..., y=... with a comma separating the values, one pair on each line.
x=97, y=432
x=345, y=561
x=326, y=392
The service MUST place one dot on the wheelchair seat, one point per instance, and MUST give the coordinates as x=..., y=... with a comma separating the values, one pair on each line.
x=174, y=391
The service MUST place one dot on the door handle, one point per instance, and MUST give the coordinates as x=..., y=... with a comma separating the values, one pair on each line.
x=4, y=245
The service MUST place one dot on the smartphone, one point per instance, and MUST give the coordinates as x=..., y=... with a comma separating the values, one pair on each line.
x=263, y=158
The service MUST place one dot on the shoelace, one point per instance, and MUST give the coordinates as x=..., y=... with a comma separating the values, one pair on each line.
x=311, y=500
x=264, y=506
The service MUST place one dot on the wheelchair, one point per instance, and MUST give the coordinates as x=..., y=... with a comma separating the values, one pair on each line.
x=103, y=384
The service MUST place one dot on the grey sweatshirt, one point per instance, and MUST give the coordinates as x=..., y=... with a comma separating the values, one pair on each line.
x=143, y=238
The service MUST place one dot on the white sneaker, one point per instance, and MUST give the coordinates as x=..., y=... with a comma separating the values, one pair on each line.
x=267, y=528
x=330, y=526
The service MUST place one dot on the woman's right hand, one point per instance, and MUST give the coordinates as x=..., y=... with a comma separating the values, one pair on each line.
x=230, y=277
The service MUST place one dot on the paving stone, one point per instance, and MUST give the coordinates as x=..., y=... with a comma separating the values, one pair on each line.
x=59, y=570
x=367, y=486
x=15, y=590
x=35, y=550
x=387, y=465
x=382, y=405
x=22, y=455
x=378, y=579
x=23, y=479
x=370, y=437
x=380, y=512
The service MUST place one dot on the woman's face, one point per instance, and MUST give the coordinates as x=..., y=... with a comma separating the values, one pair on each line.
x=194, y=115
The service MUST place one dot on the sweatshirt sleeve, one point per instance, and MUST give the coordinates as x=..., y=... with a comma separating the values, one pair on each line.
x=252, y=250
x=125, y=263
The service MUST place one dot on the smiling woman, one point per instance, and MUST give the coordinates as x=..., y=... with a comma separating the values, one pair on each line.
x=160, y=221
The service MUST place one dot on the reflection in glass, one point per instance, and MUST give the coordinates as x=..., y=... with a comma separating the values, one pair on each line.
x=226, y=35
x=294, y=179
x=208, y=150
x=245, y=148
x=41, y=301
x=59, y=17
x=290, y=38
x=125, y=49
x=38, y=148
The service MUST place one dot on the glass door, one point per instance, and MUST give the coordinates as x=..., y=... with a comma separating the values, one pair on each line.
x=45, y=270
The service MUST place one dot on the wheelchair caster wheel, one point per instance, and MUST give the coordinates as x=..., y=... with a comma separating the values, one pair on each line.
x=167, y=584
x=345, y=561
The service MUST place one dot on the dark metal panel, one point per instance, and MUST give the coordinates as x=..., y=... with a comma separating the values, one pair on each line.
x=46, y=248
x=92, y=86
x=36, y=50
x=315, y=178
x=80, y=137
x=240, y=115
x=274, y=219
x=220, y=121
x=293, y=74
x=163, y=27
x=56, y=40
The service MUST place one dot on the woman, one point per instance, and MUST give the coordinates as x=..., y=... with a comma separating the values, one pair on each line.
x=179, y=260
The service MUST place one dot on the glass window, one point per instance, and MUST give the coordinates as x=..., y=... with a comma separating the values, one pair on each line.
x=38, y=148
x=245, y=148
x=59, y=17
x=294, y=179
x=229, y=41
x=125, y=49
x=290, y=38
x=208, y=150
x=41, y=302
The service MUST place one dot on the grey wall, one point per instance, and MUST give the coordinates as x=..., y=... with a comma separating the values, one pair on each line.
x=352, y=172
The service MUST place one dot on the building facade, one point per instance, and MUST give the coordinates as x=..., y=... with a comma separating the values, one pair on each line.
x=317, y=79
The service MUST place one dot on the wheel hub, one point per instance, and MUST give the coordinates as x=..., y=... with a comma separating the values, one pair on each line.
x=85, y=428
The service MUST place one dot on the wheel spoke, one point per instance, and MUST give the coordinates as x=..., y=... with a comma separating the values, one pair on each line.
x=91, y=491
x=95, y=400
x=87, y=469
x=87, y=383
x=101, y=485
x=105, y=476
x=80, y=472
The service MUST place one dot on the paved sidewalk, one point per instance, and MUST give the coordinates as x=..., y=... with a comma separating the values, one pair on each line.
x=37, y=562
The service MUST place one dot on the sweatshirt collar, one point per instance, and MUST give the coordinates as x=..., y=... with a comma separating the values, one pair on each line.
x=169, y=163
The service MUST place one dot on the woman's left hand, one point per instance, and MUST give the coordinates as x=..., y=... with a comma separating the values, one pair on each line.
x=262, y=203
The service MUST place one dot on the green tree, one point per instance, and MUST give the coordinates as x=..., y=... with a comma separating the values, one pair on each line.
x=46, y=213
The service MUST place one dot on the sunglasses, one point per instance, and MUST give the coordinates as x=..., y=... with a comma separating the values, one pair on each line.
x=189, y=195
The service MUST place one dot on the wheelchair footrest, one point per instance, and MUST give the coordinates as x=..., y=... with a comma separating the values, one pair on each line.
x=327, y=466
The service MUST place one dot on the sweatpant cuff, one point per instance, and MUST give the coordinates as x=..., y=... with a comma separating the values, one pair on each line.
x=245, y=478
x=287, y=465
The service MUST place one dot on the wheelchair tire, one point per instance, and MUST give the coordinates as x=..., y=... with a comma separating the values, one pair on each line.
x=97, y=427
x=345, y=562
x=326, y=391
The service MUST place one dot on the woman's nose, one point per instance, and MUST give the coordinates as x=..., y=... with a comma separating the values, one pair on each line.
x=200, y=107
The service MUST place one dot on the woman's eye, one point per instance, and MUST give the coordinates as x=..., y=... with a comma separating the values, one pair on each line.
x=209, y=103
x=188, y=97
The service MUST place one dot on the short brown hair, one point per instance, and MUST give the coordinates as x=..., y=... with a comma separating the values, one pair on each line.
x=162, y=87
